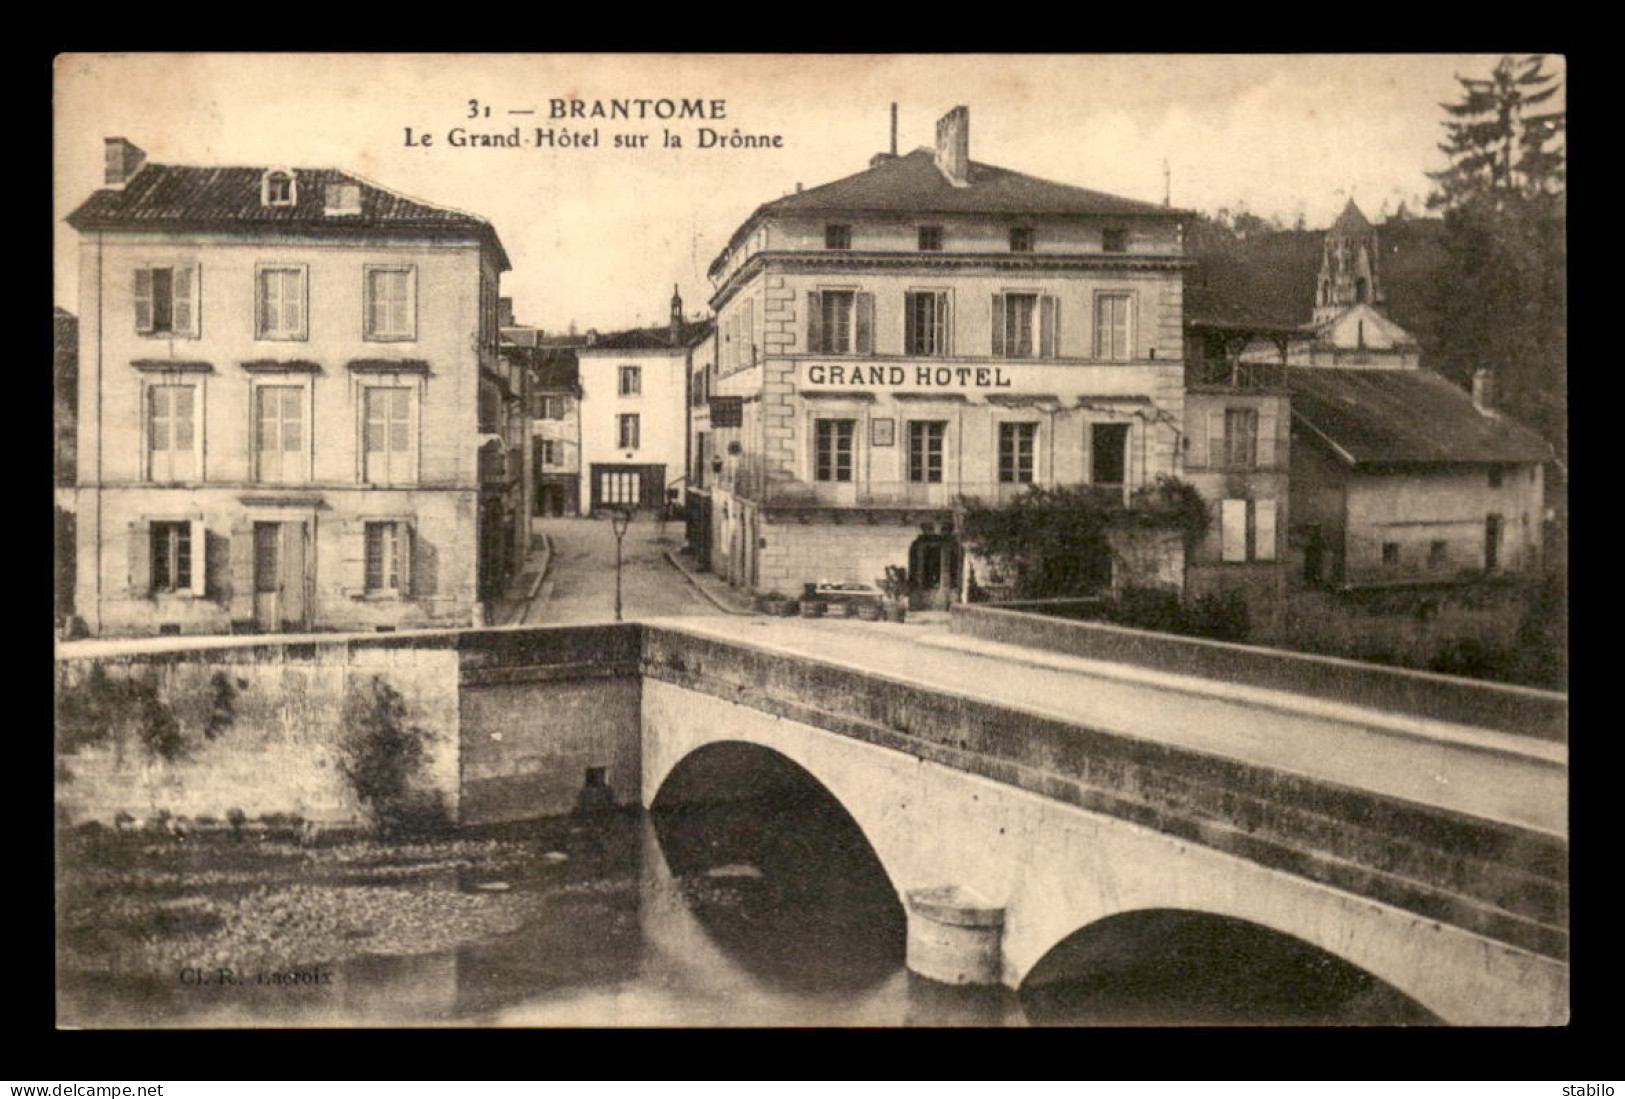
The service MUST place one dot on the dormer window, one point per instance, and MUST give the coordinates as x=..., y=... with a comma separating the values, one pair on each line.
x=1021, y=239
x=838, y=236
x=1114, y=240
x=930, y=238
x=277, y=188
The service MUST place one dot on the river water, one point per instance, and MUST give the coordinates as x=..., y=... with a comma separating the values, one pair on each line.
x=749, y=914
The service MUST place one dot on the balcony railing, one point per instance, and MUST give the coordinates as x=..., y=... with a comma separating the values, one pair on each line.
x=1234, y=375
x=755, y=484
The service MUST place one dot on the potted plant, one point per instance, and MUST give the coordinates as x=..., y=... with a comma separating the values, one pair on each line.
x=895, y=585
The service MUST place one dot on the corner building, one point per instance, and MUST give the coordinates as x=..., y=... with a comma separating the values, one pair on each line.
x=931, y=329
x=279, y=422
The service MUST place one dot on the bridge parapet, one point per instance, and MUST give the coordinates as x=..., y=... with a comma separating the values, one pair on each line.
x=1522, y=710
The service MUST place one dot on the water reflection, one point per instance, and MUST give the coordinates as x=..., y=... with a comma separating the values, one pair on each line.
x=768, y=911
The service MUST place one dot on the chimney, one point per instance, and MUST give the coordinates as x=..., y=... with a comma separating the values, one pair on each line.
x=1484, y=392
x=505, y=313
x=124, y=160
x=592, y=336
x=894, y=129
x=676, y=317
x=953, y=146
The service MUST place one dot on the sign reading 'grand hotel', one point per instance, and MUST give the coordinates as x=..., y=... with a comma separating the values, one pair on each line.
x=841, y=375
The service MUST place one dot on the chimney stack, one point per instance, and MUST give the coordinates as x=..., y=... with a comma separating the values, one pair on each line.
x=894, y=129
x=953, y=146
x=1484, y=391
x=124, y=160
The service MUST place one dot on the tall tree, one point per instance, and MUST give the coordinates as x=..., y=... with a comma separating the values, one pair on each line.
x=1499, y=138
x=1502, y=299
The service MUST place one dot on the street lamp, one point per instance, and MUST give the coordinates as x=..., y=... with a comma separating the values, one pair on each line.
x=619, y=520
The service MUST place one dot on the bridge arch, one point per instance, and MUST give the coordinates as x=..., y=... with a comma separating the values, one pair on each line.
x=1056, y=869
x=1204, y=968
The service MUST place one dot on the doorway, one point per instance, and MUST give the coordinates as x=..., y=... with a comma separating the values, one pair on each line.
x=279, y=576
x=933, y=570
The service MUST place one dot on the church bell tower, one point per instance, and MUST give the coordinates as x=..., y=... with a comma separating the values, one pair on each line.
x=1348, y=266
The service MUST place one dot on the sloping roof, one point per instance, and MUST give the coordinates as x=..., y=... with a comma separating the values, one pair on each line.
x=652, y=339
x=912, y=183
x=172, y=196
x=1375, y=417
x=554, y=367
x=1351, y=222
x=1270, y=278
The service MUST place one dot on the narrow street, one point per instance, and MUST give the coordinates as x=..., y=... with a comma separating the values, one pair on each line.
x=581, y=582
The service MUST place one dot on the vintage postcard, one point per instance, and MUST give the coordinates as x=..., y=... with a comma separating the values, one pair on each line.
x=827, y=540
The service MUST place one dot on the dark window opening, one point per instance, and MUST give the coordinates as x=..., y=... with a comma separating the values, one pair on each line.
x=1108, y=454
x=930, y=238
x=1021, y=240
x=1114, y=240
x=837, y=236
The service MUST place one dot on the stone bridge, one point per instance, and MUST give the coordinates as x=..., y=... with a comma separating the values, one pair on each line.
x=1014, y=796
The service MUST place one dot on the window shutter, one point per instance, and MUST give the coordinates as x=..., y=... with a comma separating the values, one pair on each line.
x=943, y=328
x=353, y=558
x=865, y=324
x=143, y=299
x=403, y=556
x=1215, y=439
x=200, y=558
x=140, y=560
x=1266, y=435
x=298, y=304
x=242, y=573
x=1196, y=456
x=1264, y=530
x=1049, y=327
x=186, y=286
x=409, y=322
x=815, y=322
x=998, y=326
x=1233, y=529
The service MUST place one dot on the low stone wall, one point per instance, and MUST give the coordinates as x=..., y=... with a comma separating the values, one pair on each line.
x=210, y=732
x=199, y=732
x=1523, y=710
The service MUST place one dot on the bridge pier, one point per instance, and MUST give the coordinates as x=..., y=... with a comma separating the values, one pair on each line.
x=954, y=936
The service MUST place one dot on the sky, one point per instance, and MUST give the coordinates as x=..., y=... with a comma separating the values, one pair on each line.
x=599, y=235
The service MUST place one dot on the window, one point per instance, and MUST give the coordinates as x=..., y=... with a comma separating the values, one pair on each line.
x=1495, y=478
x=629, y=431
x=619, y=487
x=172, y=557
x=166, y=301
x=1016, y=453
x=387, y=455
x=925, y=438
x=840, y=322
x=1025, y=326
x=1492, y=542
x=832, y=449
x=631, y=381
x=838, y=236
x=1114, y=240
x=391, y=303
x=1021, y=239
x=549, y=449
x=930, y=238
x=281, y=309
x=1390, y=554
x=1108, y=453
x=925, y=323
x=1438, y=554
x=1239, y=446
x=172, y=451
x=1113, y=339
x=279, y=433
x=550, y=408
x=278, y=189
x=387, y=549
